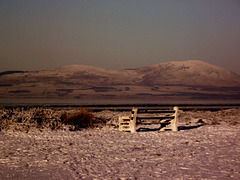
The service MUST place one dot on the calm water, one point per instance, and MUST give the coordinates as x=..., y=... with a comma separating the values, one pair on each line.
x=41, y=101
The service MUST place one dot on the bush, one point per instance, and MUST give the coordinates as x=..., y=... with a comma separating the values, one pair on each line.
x=40, y=118
x=3, y=124
x=77, y=120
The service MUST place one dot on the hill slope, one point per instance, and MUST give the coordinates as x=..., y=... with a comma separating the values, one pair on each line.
x=181, y=79
x=192, y=73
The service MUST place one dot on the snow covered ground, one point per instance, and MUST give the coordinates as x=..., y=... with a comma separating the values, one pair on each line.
x=207, y=146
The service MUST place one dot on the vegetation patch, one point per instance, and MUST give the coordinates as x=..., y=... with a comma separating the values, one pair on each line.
x=19, y=91
x=192, y=88
x=224, y=89
x=144, y=94
x=102, y=89
x=28, y=119
x=65, y=90
x=77, y=120
x=38, y=119
x=11, y=72
x=155, y=89
x=6, y=85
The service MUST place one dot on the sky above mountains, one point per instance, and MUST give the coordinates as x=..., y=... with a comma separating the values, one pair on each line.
x=118, y=34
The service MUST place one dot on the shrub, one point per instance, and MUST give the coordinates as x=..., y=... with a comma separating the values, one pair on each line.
x=3, y=124
x=41, y=118
x=77, y=120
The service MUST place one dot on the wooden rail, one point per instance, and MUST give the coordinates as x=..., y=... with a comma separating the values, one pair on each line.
x=166, y=118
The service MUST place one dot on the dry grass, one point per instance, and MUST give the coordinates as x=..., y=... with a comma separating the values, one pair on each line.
x=29, y=119
x=40, y=118
x=78, y=120
x=221, y=117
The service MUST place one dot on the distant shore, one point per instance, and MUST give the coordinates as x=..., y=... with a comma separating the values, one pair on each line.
x=100, y=102
x=98, y=105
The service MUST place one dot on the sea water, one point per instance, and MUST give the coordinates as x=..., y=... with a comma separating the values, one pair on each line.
x=44, y=101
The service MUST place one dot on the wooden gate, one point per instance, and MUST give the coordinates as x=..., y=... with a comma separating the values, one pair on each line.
x=166, y=118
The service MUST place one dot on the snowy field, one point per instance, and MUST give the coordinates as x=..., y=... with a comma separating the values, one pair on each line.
x=207, y=146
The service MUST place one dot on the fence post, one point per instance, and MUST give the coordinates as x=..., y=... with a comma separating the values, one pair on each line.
x=133, y=120
x=174, y=122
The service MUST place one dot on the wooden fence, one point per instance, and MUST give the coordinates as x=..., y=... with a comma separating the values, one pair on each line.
x=166, y=118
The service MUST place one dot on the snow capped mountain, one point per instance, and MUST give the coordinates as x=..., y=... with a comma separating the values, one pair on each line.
x=175, y=78
x=191, y=72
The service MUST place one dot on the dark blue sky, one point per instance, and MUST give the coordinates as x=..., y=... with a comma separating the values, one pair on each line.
x=37, y=34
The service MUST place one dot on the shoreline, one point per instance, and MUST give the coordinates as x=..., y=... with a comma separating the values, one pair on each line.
x=125, y=107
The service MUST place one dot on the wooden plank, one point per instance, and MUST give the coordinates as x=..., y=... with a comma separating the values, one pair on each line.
x=165, y=117
x=148, y=123
x=143, y=111
x=123, y=124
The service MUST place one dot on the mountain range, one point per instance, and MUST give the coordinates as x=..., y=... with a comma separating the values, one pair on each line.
x=191, y=79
